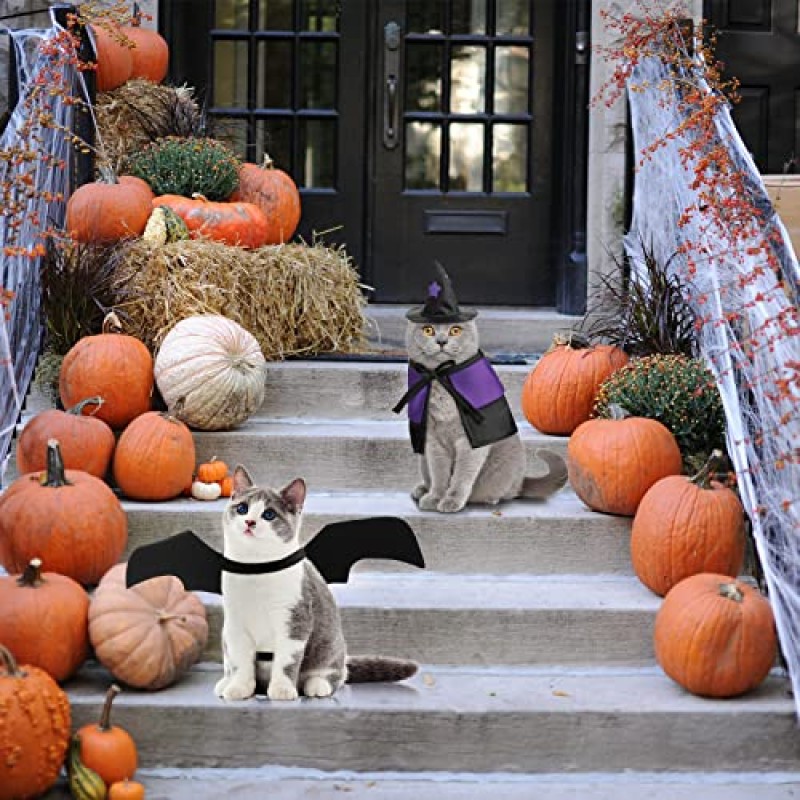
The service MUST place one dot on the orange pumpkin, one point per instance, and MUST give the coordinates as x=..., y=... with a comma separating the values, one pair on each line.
x=150, y=52
x=38, y=609
x=114, y=59
x=154, y=458
x=34, y=729
x=613, y=462
x=147, y=635
x=685, y=526
x=87, y=443
x=212, y=471
x=715, y=636
x=242, y=224
x=113, y=365
x=108, y=210
x=69, y=519
x=108, y=749
x=275, y=193
x=559, y=392
x=126, y=790
x=226, y=484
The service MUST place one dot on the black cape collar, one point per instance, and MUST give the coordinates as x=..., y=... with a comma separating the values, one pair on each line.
x=261, y=567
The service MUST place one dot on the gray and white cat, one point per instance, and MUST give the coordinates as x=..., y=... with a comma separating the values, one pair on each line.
x=291, y=613
x=453, y=472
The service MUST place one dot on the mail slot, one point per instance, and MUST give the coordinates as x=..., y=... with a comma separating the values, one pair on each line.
x=491, y=222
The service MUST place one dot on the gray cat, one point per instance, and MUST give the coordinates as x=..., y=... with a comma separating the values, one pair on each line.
x=467, y=455
x=291, y=613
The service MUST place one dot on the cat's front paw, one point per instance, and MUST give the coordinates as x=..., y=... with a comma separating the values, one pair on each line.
x=220, y=685
x=317, y=687
x=282, y=691
x=429, y=502
x=419, y=491
x=238, y=690
x=449, y=504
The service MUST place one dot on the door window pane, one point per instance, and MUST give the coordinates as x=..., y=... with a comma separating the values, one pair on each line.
x=233, y=132
x=423, y=155
x=275, y=15
x=511, y=80
x=317, y=153
x=274, y=84
x=318, y=75
x=230, y=74
x=424, y=16
x=469, y=16
x=466, y=157
x=319, y=15
x=274, y=138
x=424, y=77
x=510, y=158
x=232, y=14
x=468, y=80
x=513, y=17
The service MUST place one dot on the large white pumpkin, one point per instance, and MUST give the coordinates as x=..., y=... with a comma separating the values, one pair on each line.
x=216, y=366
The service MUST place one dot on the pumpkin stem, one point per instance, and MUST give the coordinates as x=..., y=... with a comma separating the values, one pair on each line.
x=112, y=323
x=77, y=409
x=267, y=163
x=572, y=339
x=198, y=196
x=136, y=16
x=715, y=463
x=55, y=475
x=105, y=715
x=617, y=412
x=33, y=574
x=731, y=592
x=10, y=663
x=106, y=173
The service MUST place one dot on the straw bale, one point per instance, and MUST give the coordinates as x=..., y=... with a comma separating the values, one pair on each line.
x=296, y=299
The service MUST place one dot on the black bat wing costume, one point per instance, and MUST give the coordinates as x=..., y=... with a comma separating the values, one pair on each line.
x=333, y=551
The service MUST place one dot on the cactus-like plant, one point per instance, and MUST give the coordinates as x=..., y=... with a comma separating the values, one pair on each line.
x=678, y=391
x=187, y=166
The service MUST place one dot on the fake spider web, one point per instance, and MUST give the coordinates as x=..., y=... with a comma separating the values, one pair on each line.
x=748, y=322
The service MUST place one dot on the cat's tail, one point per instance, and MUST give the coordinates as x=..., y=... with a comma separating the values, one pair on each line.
x=378, y=669
x=542, y=487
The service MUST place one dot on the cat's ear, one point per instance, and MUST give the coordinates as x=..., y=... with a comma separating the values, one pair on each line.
x=241, y=480
x=294, y=495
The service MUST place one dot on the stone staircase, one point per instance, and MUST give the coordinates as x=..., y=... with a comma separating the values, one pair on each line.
x=537, y=675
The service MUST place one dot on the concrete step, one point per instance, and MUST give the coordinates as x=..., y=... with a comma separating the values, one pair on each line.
x=280, y=783
x=337, y=389
x=489, y=619
x=481, y=721
x=338, y=454
x=502, y=329
x=559, y=535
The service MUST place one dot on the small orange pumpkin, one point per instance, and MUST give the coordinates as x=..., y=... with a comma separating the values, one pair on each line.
x=212, y=471
x=560, y=390
x=275, y=193
x=242, y=224
x=38, y=609
x=126, y=790
x=113, y=365
x=150, y=52
x=154, y=458
x=715, y=636
x=108, y=749
x=226, y=484
x=613, y=462
x=685, y=526
x=35, y=725
x=87, y=443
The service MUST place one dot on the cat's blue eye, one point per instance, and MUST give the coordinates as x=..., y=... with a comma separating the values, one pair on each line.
x=269, y=514
x=241, y=508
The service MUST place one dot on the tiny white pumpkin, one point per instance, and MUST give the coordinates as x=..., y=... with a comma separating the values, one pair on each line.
x=216, y=366
x=205, y=491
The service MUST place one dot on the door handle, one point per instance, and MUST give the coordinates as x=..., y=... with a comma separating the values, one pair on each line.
x=391, y=72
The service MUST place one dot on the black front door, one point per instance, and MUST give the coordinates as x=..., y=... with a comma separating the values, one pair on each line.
x=417, y=130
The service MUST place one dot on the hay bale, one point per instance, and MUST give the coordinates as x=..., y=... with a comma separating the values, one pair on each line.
x=137, y=113
x=296, y=299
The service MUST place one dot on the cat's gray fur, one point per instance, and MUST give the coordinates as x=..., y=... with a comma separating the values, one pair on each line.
x=291, y=613
x=453, y=472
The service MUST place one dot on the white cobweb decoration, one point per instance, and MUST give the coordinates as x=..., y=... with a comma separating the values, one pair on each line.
x=40, y=69
x=749, y=326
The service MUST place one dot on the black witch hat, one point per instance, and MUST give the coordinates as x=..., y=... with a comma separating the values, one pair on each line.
x=441, y=304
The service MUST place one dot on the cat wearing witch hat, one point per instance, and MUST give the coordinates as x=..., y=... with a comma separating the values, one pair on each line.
x=459, y=419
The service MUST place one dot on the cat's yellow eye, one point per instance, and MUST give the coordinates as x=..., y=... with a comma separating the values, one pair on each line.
x=429, y=330
x=456, y=330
